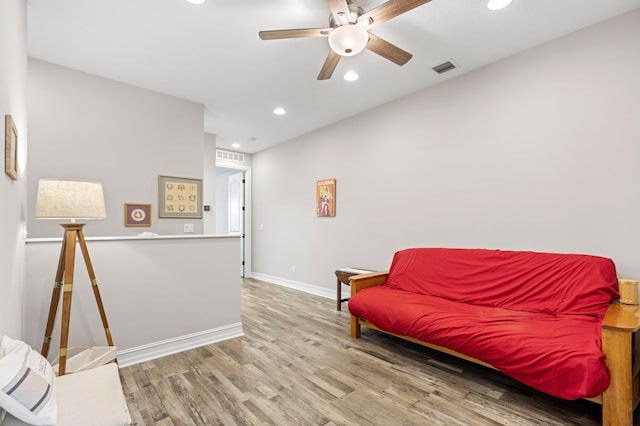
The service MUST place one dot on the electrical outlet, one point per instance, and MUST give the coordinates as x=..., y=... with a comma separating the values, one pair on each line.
x=293, y=268
x=188, y=227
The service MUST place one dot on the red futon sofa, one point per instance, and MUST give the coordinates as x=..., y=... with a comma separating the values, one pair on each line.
x=537, y=317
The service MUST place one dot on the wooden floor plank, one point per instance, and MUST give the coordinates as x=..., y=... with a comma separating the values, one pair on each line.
x=298, y=365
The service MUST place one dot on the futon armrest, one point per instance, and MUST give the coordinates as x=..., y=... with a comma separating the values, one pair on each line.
x=621, y=317
x=362, y=281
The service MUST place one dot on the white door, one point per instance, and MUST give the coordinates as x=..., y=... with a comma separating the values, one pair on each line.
x=236, y=211
x=236, y=202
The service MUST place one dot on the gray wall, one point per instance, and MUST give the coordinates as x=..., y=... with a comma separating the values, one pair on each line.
x=87, y=127
x=13, y=100
x=535, y=152
x=154, y=291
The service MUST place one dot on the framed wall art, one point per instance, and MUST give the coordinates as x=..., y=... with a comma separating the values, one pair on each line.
x=10, y=148
x=179, y=197
x=137, y=214
x=326, y=198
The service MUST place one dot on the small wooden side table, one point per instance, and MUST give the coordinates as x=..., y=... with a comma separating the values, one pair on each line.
x=342, y=276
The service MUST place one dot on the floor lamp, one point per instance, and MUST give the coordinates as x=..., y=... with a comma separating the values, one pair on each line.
x=71, y=200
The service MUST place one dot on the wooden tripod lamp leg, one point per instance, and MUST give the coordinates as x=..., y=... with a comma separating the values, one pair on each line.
x=55, y=300
x=94, y=285
x=70, y=235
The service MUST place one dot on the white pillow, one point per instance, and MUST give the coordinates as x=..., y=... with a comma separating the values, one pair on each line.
x=27, y=386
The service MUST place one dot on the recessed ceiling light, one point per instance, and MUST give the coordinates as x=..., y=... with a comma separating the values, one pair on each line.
x=235, y=145
x=196, y=1
x=498, y=4
x=351, y=76
x=279, y=111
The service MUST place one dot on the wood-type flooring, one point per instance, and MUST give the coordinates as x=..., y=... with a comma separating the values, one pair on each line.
x=298, y=365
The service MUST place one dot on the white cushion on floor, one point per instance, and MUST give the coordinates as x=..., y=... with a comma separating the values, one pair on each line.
x=92, y=397
x=27, y=383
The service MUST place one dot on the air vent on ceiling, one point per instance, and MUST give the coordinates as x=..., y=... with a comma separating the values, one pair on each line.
x=444, y=67
x=235, y=157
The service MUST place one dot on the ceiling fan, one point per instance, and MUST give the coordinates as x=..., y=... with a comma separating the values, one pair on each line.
x=348, y=32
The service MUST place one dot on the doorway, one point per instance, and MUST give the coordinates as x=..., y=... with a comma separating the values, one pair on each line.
x=232, y=209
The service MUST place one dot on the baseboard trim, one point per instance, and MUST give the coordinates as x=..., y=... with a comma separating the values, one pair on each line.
x=297, y=285
x=131, y=356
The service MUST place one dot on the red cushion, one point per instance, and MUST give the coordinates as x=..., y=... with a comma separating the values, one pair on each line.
x=535, y=282
x=559, y=355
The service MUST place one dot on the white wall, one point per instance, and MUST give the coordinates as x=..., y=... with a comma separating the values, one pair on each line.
x=535, y=152
x=88, y=127
x=13, y=101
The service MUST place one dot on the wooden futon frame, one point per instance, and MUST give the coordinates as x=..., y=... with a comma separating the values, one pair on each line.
x=619, y=329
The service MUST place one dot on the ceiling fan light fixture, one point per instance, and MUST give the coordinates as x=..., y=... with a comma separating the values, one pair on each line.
x=498, y=4
x=348, y=40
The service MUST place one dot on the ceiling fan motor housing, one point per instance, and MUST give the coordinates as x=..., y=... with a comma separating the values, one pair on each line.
x=347, y=38
x=354, y=10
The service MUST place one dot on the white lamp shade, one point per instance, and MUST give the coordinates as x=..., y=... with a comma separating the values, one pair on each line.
x=69, y=199
x=348, y=40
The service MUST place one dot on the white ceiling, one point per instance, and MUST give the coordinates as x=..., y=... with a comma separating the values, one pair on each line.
x=211, y=53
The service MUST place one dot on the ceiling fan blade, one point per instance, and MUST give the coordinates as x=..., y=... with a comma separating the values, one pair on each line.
x=329, y=66
x=387, y=50
x=295, y=33
x=389, y=10
x=340, y=11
